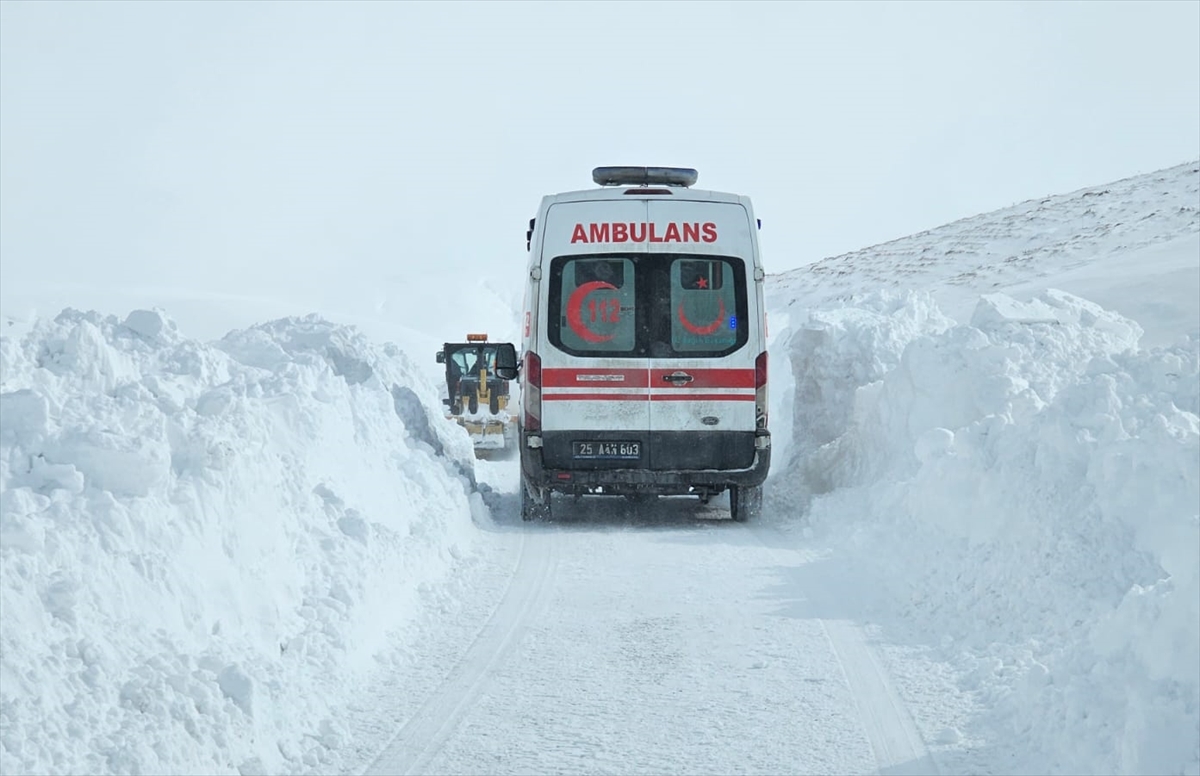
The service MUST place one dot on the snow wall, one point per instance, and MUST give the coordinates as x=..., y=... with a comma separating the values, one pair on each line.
x=1027, y=484
x=203, y=546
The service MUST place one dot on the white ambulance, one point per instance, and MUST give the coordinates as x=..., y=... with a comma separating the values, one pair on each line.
x=644, y=367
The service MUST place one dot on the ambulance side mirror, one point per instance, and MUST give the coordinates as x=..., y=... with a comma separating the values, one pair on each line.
x=506, y=361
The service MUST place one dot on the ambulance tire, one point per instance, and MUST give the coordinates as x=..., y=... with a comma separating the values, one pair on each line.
x=745, y=502
x=534, y=507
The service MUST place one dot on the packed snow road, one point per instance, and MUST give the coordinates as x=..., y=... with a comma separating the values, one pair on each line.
x=629, y=639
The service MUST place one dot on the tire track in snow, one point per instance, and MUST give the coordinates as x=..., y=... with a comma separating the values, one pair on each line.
x=668, y=645
x=420, y=739
x=899, y=747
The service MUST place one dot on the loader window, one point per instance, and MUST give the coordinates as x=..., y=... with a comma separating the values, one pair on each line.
x=464, y=360
x=471, y=358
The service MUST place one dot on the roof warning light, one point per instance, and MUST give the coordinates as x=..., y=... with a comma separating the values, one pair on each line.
x=645, y=176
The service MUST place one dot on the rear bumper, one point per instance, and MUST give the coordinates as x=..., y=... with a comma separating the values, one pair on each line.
x=586, y=479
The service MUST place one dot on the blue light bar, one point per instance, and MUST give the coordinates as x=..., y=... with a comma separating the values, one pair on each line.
x=645, y=176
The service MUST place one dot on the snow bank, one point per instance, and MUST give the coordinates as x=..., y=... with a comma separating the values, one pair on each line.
x=1029, y=485
x=204, y=546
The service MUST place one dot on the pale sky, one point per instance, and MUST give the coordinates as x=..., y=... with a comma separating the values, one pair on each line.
x=259, y=146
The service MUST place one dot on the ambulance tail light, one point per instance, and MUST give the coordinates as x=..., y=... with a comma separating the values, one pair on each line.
x=532, y=391
x=760, y=390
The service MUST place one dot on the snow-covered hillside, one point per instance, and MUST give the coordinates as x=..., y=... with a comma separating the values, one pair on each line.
x=1103, y=242
x=987, y=434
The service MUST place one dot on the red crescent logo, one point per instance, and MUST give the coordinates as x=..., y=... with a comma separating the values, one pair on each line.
x=575, y=311
x=702, y=330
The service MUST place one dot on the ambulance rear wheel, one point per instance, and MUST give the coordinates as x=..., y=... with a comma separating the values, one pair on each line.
x=534, y=506
x=745, y=502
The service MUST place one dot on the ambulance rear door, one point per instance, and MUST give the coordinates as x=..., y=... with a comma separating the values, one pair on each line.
x=707, y=336
x=595, y=378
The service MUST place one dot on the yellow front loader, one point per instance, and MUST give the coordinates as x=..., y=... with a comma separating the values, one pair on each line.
x=477, y=394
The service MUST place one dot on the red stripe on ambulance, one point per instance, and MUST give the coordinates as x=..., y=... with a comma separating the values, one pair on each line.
x=624, y=379
x=641, y=397
x=648, y=397
x=647, y=385
x=701, y=397
x=595, y=378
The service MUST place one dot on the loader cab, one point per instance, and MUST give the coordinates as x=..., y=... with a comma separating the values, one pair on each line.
x=644, y=350
x=477, y=372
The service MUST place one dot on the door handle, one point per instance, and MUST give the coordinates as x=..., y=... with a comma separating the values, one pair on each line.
x=678, y=378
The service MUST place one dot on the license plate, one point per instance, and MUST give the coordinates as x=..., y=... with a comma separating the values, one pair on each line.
x=608, y=451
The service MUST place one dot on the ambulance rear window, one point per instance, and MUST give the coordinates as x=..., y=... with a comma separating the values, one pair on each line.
x=603, y=270
x=704, y=310
x=648, y=305
x=594, y=302
x=705, y=274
